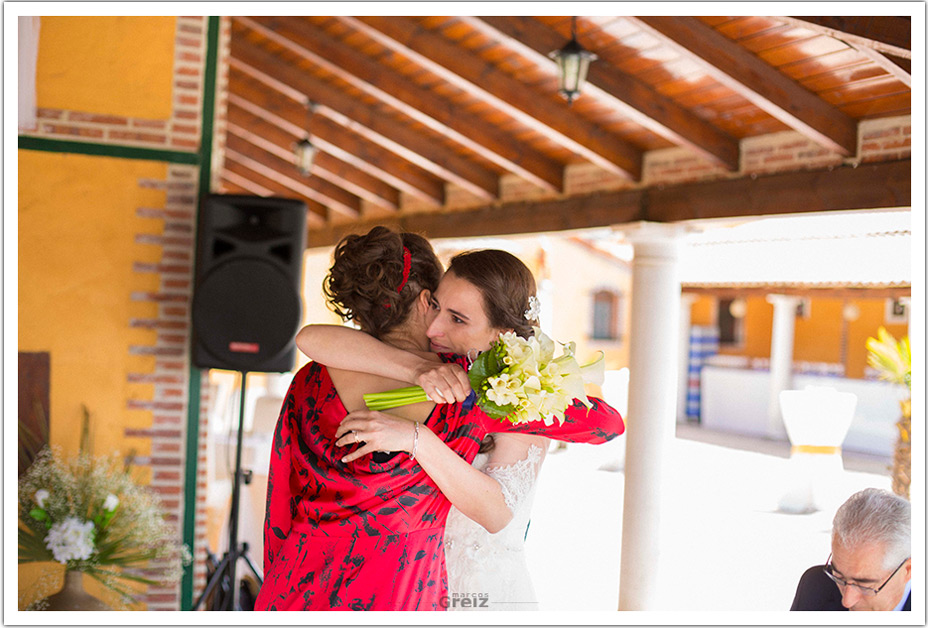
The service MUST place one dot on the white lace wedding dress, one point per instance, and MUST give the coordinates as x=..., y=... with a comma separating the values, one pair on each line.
x=489, y=571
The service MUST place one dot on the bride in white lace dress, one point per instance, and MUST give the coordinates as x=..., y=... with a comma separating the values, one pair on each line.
x=488, y=571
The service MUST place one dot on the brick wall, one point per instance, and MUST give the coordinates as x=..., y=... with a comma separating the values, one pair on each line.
x=786, y=151
x=882, y=139
x=173, y=233
x=885, y=139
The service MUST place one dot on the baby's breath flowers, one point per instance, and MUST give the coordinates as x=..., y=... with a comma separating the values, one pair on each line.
x=89, y=515
x=517, y=380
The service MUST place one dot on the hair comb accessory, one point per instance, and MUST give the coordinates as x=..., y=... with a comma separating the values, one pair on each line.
x=534, y=309
x=407, y=264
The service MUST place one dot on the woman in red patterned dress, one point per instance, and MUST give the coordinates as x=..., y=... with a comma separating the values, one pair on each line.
x=367, y=534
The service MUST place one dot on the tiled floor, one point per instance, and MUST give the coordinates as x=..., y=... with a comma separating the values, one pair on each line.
x=724, y=544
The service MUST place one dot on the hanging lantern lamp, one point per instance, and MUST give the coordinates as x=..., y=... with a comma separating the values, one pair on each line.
x=304, y=150
x=573, y=62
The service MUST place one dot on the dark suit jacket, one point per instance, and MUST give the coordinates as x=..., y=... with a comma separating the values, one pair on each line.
x=817, y=592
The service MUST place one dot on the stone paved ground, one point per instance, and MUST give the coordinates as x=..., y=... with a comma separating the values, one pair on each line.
x=725, y=546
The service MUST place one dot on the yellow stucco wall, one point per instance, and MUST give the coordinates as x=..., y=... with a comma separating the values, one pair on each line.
x=702, y=311
x=758, y=326
x=818, y=337
x=116, y=65
x=872, y=315
x=77, y=227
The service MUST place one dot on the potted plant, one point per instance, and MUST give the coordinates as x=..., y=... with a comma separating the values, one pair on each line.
x=892, y=360
x=88, y=514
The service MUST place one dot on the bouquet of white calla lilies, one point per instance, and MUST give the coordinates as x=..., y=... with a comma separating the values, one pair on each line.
x=517, y=380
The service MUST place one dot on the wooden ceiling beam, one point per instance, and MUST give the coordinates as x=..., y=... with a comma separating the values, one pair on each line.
x=336, y=139
x=243, y=185
x=888, y=34
x=376, y=127
x=398, y=93
x=636, y=100
x=271, y=166
x=752, y=78
x=276, y=141
x=551, y=118
x=899, y=68
x=255, y=182
x=869, y=186
x=373, y=124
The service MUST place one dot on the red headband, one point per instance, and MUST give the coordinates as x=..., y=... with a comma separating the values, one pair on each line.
x=407, y=264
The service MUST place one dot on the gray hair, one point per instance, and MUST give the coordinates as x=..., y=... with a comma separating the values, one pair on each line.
x=876, y=516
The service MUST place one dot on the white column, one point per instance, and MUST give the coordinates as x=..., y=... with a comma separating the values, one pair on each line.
x=652, y=401
x=28, y=59
x=781, y=358
x=683, y=355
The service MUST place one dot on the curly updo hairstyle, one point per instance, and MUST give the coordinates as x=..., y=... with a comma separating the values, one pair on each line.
x=365, y=283
x=505, y=283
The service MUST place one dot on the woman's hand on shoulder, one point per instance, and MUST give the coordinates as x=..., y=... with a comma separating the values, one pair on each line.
x=443, y=383
x=378, y=431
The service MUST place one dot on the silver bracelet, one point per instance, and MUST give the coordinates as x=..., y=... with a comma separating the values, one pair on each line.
x=415, y=443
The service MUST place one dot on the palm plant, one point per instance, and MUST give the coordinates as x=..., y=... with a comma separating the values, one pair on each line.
x=892, y=359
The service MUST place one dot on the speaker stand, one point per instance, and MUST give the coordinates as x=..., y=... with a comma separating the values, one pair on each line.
x=227, y=597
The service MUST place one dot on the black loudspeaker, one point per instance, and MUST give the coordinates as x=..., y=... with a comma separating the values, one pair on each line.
x=246, y=296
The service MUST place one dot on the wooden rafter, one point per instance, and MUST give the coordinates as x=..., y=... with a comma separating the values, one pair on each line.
x=335, y=139
x=888, y=34
x=553, y=119
x=263, y=185
x=421, y=105
x=373, y=125
x=272, y=139
x=319, y=190
x=757, y=81
x=244, y=184
x=901, y=71
x=636, y=100
x=869, y=186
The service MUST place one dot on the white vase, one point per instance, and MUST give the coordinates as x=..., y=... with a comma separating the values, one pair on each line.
x=817, y=420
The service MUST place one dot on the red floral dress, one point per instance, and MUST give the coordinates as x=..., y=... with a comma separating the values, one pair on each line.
x=367, y=535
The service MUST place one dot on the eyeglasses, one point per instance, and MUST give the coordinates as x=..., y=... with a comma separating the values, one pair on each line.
x=866, y=591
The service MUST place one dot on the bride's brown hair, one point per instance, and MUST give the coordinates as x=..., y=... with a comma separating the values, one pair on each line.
x=505, y=283
x=507, y=286
x=375, y=278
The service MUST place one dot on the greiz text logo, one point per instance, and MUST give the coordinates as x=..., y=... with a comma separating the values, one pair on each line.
x=465, y=600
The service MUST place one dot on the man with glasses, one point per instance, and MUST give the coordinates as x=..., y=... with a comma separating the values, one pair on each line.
x=870, y=566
